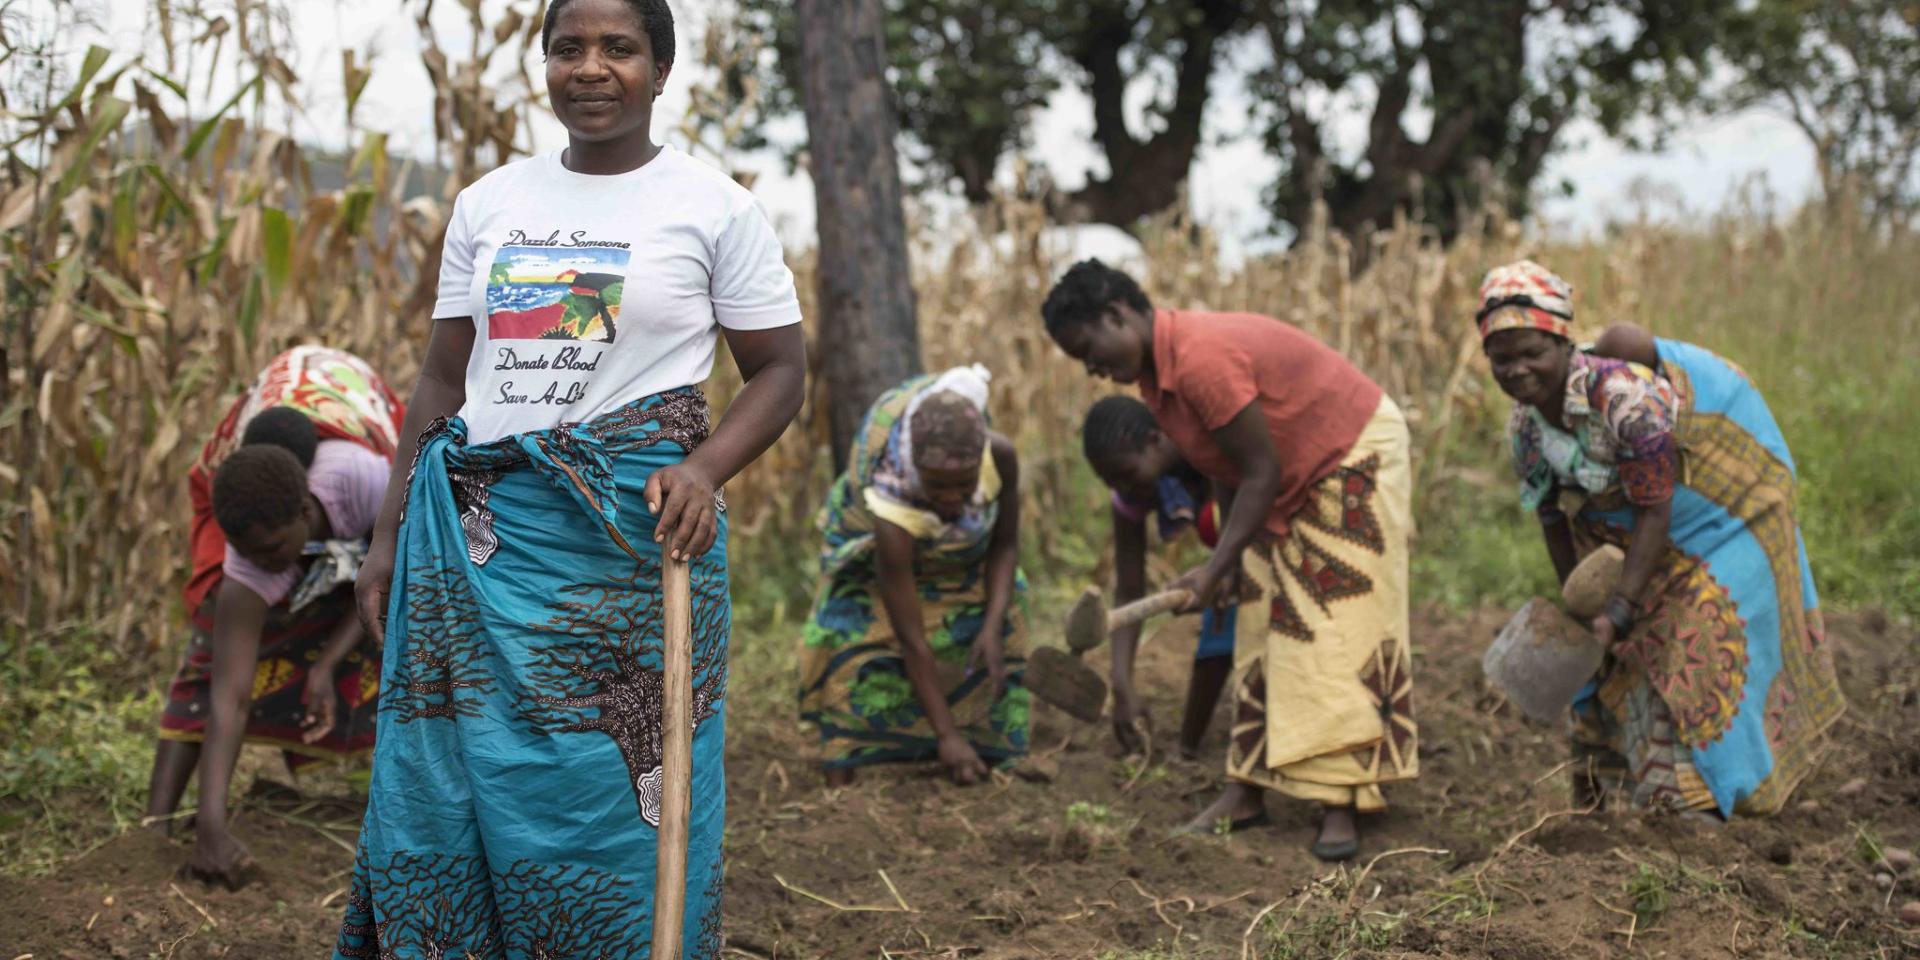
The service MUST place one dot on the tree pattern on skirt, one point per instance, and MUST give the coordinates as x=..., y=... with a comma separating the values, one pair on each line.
x=615, y=686
x=445, y=671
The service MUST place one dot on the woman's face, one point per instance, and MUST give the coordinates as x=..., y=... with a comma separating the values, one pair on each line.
x=1530, y=365
x=273, y=549
x=1110, y=346
x=949, y=489
x=1135, y=474
x=602, y=77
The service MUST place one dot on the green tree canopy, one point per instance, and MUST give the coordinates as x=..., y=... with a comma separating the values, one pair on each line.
x=1847, y=73
x=1460, y=95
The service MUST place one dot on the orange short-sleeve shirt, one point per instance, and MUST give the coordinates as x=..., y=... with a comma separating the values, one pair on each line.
x=1207, y=367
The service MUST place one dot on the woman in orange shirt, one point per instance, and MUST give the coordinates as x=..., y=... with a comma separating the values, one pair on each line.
x=1311, y=458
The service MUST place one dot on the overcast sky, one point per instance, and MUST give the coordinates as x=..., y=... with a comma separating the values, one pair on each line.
x=1702, y=165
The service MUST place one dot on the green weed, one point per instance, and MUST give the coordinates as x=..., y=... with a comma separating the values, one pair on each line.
x=78, y=751
x=1651, y=893
x=1867, y=847
x=1328, y=936
x=1082, y=813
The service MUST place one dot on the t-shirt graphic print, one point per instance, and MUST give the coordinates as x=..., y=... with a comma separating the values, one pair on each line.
x=542, y=293
x=590, y=292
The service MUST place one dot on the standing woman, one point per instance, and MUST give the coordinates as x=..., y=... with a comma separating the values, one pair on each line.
x=1312, y=461
x=516, y=783
x=1718, y=684
x=912, y=651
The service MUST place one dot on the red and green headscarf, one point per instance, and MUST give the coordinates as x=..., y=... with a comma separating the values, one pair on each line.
x=1524, y=295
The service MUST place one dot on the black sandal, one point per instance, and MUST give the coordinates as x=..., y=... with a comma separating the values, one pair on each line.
x=1336, y=852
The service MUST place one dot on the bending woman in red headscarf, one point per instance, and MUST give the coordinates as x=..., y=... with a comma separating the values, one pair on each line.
x=284, y=495
x=1718, y=685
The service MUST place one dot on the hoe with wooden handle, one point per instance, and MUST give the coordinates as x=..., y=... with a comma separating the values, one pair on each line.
x=1059, y=678
x=1543, y=657
x=676, y=762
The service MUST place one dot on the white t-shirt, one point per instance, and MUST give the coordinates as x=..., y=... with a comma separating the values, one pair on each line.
x=589, y=292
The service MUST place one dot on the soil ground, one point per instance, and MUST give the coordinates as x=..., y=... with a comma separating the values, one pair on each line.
x=1480, y=858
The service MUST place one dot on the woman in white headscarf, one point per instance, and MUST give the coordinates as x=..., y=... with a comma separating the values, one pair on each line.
x=913, y=649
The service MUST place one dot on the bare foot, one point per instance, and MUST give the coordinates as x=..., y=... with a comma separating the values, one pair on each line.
x=839, y=777
x=1237, y=804
x=1339, y=834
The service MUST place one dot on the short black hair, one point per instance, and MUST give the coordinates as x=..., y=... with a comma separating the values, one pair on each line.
x=655, y=17
x=1114, y=426
x=286, y=428
x=258, y=486
x=1086, y=290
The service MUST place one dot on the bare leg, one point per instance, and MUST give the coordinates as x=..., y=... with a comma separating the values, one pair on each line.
x=173, y=764
x=1209, y=677
x=839, y=776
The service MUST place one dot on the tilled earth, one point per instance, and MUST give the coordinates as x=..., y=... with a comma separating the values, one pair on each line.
x=1481, y=857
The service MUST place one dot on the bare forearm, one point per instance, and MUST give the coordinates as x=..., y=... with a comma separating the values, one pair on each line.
x=916, y=655
x=1003, y=551
x=755, y=419
x=345, y=636
x=893, y=566
x=433, y=398
x=1129, y=584
x=1246, y=513
x=1650, y=528
x=239, y=615
x=225, y=730
x=1002, y=564
x=439, y=391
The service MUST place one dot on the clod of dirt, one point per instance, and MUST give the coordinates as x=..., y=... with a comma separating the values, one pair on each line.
x=1809, y=806
x=1852, y=788
x=1896, y=859
x=1910, y=913
x=1037, y=769
x=1764, y=891
x=1883, y=880
x=1781, y=851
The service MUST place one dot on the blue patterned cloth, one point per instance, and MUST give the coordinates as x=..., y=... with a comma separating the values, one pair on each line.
x=516, y=780
x=1721, y=695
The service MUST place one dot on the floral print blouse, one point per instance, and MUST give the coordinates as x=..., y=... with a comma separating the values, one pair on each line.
x=1620, y=420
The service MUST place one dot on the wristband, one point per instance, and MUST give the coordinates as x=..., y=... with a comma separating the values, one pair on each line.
x=1619, y=611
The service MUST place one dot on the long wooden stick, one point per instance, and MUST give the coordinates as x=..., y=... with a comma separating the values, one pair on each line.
x=1150, y=606
x=676, y=761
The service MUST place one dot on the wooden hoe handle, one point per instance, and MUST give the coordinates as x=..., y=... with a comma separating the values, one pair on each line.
x=1145, y=607
x=676, y=761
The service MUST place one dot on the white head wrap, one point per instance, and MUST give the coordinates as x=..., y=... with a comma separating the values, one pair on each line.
x=969, y=382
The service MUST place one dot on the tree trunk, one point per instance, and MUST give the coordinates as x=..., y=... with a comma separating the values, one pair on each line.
x=868, y=338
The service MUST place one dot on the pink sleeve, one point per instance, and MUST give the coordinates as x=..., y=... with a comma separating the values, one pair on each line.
x=272, y=587
x=1126, y=508
x=349, y=481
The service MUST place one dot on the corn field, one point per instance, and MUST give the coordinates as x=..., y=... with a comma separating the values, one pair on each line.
x=154, y=261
